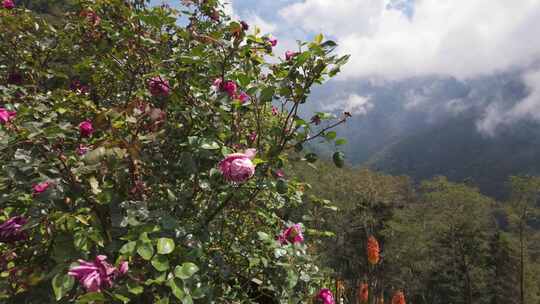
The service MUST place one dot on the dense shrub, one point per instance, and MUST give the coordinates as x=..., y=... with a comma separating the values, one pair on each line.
x=141, y=155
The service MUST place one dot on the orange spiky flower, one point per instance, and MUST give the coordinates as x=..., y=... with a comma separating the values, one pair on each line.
x=398, y=298
x=363, y=293
x=373, y=250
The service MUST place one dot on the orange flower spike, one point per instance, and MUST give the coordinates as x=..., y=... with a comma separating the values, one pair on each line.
x=373, y=250
x=398, y=298
x=363, y=293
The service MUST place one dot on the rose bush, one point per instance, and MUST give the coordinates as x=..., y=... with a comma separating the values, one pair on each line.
x=151, y=139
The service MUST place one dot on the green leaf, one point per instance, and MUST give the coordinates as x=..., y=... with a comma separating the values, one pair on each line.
x=165, y=246
x=311, y=157
x=339, y=159
x=91, y=297
x=209, y=145
x=135, y=288
x=62, y=283
x=121, y=298
x=145, y=250
x=160, y=263
x=177, y=288
x=128, y=248
x=340, y=141
x=263, y=236
x=186, y=271
x=267, y=94
x=319, y=38
x=330, y=135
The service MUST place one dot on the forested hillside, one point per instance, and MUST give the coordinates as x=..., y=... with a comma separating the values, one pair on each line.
x=442, y=242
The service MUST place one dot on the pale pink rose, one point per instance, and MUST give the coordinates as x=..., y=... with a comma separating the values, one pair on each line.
x=6, y=116
x=8, y=4
x=41, y=187
x=325, y=296
x=86, y=128
x=96, y=275
x=292, y=234
x=217, y=84
x=159, y=86
x=289, y=55
x=11, y=230
x=237, y=167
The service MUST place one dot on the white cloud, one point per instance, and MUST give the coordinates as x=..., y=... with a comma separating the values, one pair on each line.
x=354, y=104
x=529, y=108
x=460, y=38
x=256, y=20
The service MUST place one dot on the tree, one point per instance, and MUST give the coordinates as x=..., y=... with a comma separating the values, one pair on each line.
x=440, y=245
x=522, y=211
x=138, y=156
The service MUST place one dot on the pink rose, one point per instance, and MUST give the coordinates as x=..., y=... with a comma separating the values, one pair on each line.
x=273, y=41
x=6, y=116
x=325, y=296
x=279, y=173
x=159, y=86
x=217, y=84
x=123, y=267
x=11, y=230
x=41, y=187
x=289, y=55
x=243, y=97
x=275, y=110
x=86, y=128
x=292, y=234
x=230, y=87
x=91, y=17
x=82, y=149
x=253, y=136
x=237, y=167
x=98, y=274
x=77, y=87
x=8, y=4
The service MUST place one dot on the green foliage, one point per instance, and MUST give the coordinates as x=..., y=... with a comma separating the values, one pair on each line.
x=148, y=191
x=441, y=242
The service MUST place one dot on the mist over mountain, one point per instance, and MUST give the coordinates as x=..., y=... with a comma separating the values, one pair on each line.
x=428, y=126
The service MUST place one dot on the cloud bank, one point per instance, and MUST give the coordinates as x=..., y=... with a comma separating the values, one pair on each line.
x=450, y=38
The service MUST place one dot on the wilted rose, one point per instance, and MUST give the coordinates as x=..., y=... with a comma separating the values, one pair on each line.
x=159, y=86
x=11, y=230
